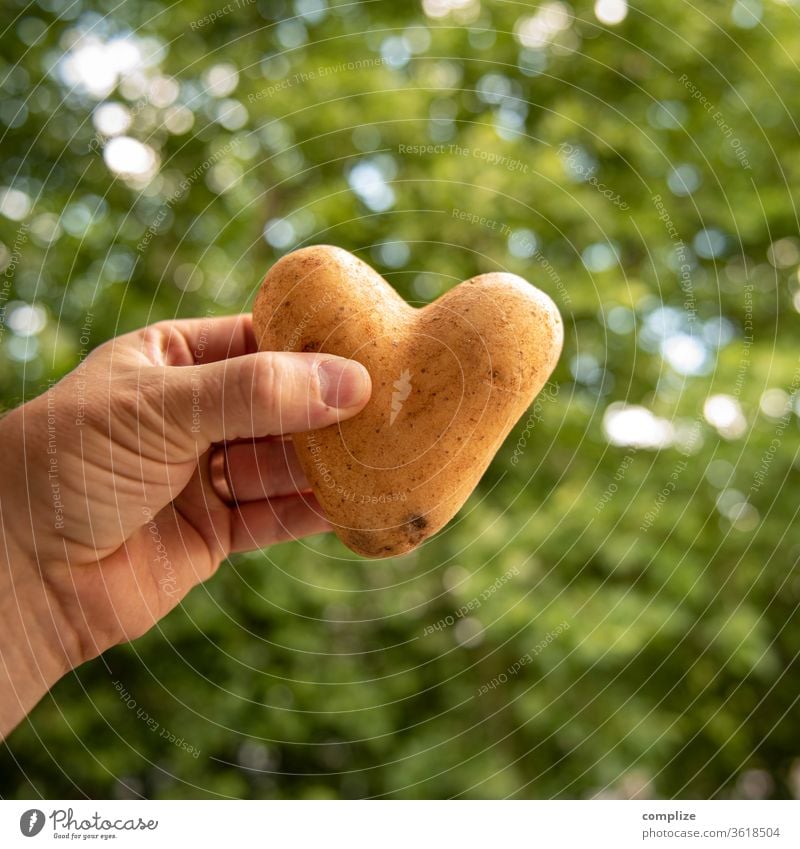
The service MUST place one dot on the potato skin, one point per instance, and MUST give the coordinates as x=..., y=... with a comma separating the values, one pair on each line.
x=449, y=382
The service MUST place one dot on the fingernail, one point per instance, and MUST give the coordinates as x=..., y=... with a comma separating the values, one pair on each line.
x=343, y=383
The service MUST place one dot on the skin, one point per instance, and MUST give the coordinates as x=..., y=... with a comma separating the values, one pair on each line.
x=107, y=514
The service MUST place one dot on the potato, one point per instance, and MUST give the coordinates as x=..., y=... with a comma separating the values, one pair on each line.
x=449, y=381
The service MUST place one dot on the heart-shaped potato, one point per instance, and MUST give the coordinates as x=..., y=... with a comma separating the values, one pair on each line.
x=449, y=381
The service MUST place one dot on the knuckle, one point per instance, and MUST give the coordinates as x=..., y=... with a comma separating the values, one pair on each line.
x=265, y=385
x=152, y=336
x=163, y=345
x=158, y=330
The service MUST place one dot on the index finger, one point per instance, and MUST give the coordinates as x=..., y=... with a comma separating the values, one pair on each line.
x=193, y=341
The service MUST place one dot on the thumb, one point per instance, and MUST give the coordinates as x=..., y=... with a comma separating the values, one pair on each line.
x=260, y=395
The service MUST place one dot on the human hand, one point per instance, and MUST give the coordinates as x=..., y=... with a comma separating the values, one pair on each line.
x=108, y=513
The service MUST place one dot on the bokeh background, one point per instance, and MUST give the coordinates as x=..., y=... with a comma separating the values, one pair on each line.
x=636, y=537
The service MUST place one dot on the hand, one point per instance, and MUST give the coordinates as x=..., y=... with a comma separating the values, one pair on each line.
x=108, y=514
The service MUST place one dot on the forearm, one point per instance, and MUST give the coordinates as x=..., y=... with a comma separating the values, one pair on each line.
x=34, y=649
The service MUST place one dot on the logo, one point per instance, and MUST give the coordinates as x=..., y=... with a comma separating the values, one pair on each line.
x=402, y=387
x=31, y=822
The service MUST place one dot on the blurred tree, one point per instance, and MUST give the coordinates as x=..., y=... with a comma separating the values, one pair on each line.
x=638, y=529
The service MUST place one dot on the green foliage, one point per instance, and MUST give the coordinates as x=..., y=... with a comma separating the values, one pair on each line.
x=303, y=671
